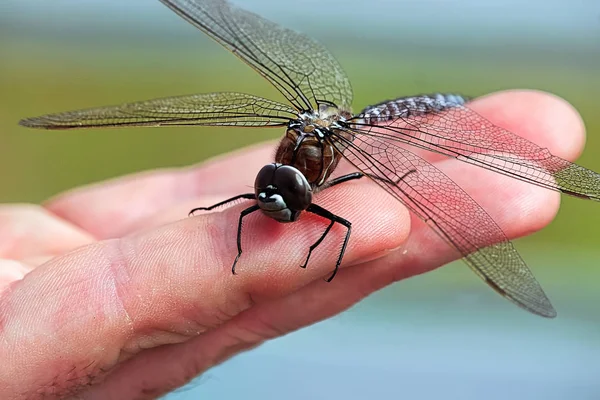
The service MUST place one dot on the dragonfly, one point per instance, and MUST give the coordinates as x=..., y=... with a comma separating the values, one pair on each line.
x=381, y=142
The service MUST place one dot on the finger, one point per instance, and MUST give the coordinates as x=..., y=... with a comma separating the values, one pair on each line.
x=518, y=207
x=28, y=231
x=90, y=309
x=123, y=205
x=532, y=115
x=543, y=118
x=10, y=271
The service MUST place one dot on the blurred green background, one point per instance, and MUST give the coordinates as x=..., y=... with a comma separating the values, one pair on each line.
x=67, y=55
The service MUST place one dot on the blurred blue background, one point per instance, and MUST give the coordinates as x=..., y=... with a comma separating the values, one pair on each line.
x=441, y=335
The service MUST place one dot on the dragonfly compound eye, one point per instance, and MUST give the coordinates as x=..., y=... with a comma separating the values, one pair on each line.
x=280, y=187
x=293, y=187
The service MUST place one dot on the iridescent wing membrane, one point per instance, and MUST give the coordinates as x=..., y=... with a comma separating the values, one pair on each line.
x=216, y=109
x=450, y=212
x=443, y=124
x=380, y=138
x=461, y=133
x=300, y=68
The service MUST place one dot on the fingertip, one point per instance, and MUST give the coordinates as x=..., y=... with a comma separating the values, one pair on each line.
x=544, y=118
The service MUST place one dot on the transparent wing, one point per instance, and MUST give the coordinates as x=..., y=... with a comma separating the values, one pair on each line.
x=300, y=68
x=450, y=211
x=444, y=124
x=233, y=109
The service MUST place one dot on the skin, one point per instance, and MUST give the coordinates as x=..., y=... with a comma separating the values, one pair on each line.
x=122, y=296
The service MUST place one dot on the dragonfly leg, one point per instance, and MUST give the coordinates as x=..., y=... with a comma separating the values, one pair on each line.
x=315, y=209
x=378, y=178
x=341, y=179
x=318, y=242
x=320, y=211
x=358, y=175
x=247, y=211
x=249, y=196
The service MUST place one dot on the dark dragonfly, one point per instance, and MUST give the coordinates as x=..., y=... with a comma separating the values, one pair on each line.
x=321, y=130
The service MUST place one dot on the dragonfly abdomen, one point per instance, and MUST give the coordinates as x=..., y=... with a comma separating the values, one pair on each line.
x=405, y=107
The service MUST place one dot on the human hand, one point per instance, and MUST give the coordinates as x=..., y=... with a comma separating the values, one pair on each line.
x=110, y=291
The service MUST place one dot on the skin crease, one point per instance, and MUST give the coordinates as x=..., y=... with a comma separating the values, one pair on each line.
x=122, y=296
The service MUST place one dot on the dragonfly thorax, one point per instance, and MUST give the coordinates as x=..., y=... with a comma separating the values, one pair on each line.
x=328, y=116
x=307, y=147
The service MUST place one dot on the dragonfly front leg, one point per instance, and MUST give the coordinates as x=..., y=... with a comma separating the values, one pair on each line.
x=247, y=211
x=334, y=218
x=249, y=196
x=318, y=242
x=320, y=211
x=358, y=175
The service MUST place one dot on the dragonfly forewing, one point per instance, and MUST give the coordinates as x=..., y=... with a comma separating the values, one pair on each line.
x=212, y=109
x=303, y=70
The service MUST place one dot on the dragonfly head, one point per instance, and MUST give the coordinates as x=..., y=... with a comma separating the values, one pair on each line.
x=282, y=192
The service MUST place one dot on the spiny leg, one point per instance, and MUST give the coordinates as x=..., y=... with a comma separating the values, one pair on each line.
x=378, y=178
x=358, y=175
x=245, y=212
x=318, y=242
x=327, y=185
x=315, y=209
x=348, y=226
x=249, y=196
x=333, y=182
x=341, y=179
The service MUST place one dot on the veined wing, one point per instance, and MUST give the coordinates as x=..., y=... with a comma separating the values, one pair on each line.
x=444, y=124
x=451, y=212
x=300, y=68
x=216, y=109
